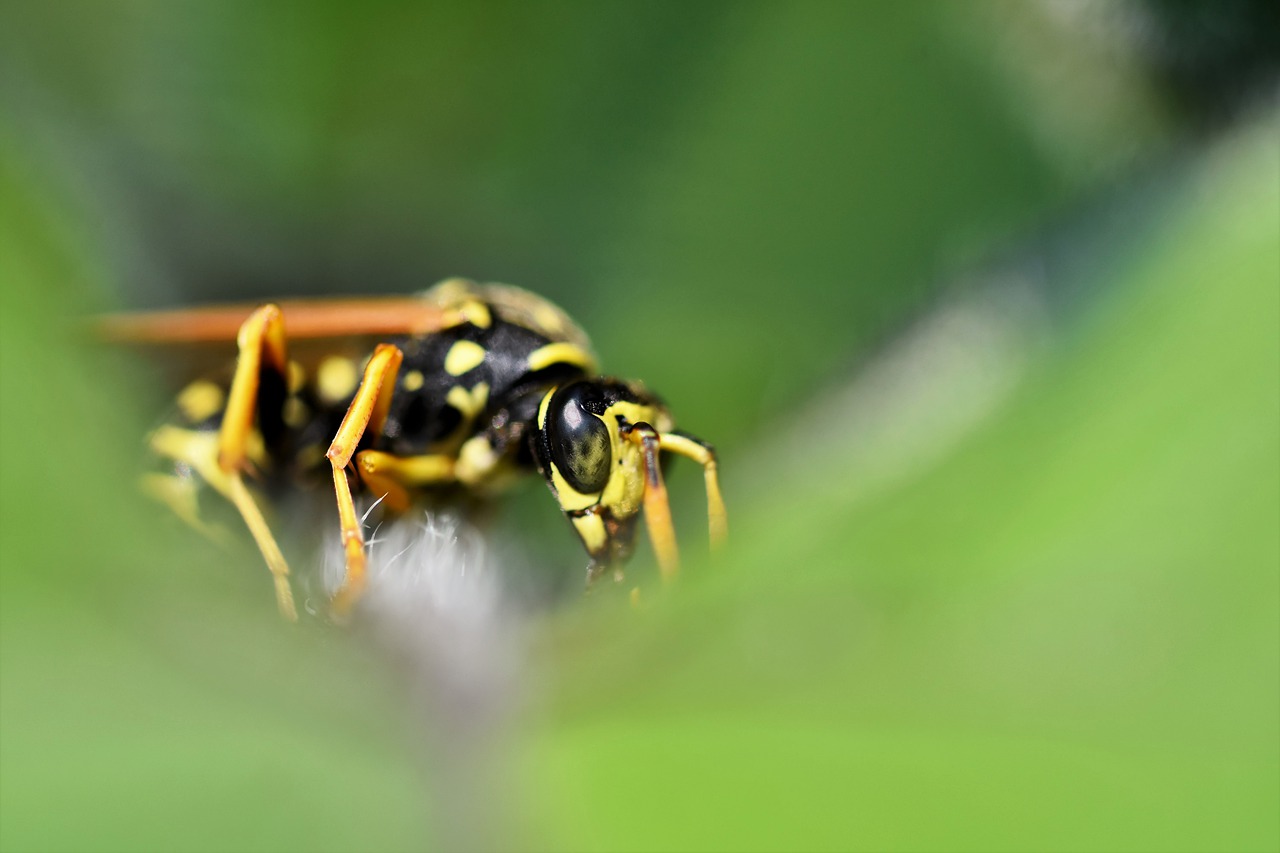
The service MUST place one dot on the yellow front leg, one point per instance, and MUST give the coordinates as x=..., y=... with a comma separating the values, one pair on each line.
x=261, y=343
x=368, y=411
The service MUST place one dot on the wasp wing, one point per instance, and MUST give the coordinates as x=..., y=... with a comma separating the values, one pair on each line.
x=201, y=341
x=304, y=319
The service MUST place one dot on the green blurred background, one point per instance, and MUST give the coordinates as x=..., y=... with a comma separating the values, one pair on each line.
x=980, y=303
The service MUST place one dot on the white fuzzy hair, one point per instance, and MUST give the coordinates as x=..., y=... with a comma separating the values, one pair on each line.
x=435, y=596
x=436, y=601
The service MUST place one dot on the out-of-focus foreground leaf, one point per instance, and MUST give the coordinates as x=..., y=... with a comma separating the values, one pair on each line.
x=1065, y=636
x=1059, y=633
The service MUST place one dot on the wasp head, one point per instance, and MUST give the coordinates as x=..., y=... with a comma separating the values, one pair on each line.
x=587, y=447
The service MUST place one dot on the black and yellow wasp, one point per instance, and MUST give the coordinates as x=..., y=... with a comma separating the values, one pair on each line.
x=475, y=383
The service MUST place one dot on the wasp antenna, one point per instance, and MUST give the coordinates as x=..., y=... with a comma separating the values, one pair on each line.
x=705, y=455
x=657, y=508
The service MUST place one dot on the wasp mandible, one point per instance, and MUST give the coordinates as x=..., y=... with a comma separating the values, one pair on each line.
x=475, y=383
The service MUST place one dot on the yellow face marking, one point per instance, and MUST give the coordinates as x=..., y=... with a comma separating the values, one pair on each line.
x=413, y=380
x=624, y=493
x=201, y=400
x=561, y=353
x=296, y=413
x=591, y=528
x=336, y=379
x=463, y=356
x=470, y=403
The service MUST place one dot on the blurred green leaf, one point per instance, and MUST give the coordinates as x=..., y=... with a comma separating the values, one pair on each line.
x=1066, y=636
x=1057, y=630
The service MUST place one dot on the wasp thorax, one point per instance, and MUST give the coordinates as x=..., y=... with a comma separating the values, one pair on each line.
x=579, y=440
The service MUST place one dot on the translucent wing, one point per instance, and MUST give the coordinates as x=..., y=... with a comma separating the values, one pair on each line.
x=201, y=341
x=305, y=319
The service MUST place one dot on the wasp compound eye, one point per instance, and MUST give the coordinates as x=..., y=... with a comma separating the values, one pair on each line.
x=579, y=441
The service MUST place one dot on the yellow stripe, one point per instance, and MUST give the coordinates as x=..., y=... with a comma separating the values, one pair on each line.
x=561, y=353
x=295, y=413
x=591, y=528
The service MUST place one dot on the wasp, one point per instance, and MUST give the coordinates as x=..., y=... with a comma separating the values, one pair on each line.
x=471, y=385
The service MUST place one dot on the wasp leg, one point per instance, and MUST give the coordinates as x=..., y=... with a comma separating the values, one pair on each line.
x=705, y=455
x=368, y=411
x=261, y=344
x=391, y=476
x=200, y=451
x=657, y=509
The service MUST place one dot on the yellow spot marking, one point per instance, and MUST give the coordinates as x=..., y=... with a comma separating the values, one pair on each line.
x=197, y=449
x=477, y=313
x=463, y=356
x=192, y=446
x=311, y=456
x=470, y=403
x=297, y=376
x=561, y=353
x=201, y=400
x=296, y=413
x=255, y=449
x=413, y=380
x=336, y=379
x=475, y=460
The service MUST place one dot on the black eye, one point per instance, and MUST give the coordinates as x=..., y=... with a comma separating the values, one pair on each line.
x=578, y=440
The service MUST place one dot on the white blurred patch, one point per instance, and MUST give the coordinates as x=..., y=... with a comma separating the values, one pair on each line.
x=426, y=560
x=437, y=603
x=435, y=597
